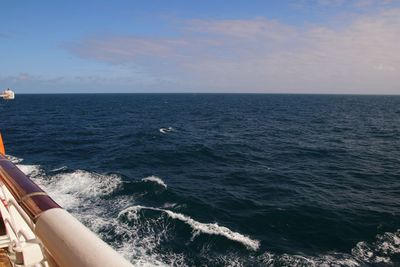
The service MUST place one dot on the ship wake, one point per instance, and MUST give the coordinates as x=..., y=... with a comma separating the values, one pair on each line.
x=160, y=235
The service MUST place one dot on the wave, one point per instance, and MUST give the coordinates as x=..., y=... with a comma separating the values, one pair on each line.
x=14, y=159
x=82, y=194
x=382, y=250
x=62, y=168
x=72, y=189
x=170, y=205
x=334, y=259
x=166, y=130
x=198, y=227
x=156, y=180
x=30, y=170
x=143, y=239
x=136, y=243
x=86, y=184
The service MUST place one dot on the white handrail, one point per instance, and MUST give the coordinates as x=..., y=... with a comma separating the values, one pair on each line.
x=22, y=232
x=72, y=244
x=61, y=238
x=21, y=212
x=12, y=209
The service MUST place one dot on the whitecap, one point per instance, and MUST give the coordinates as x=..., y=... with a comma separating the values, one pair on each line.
x=381, y=250
x=169, y=205
x=14, y=159
x=67, y=187
x=166, y=130
x=198, y=227
x=30, y=170
x=155, y=179
x=62, y=168
x=79, y=193
x=72, y=189
x=334, y=259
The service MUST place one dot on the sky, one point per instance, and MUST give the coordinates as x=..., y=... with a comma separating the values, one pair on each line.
x=202, y=46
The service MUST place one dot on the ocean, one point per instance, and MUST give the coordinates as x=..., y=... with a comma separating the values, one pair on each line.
x=220, y=179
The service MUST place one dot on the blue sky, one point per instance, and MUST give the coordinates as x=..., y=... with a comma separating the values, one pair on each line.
x=304, y=46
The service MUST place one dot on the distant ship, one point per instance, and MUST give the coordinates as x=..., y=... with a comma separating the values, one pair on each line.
x=8, y=94
x=36, y=231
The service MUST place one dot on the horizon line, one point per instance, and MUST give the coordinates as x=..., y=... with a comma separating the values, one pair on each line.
x=208, y=93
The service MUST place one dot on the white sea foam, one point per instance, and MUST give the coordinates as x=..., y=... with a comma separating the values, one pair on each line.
x=166, y=130
x=69, y=188
x=30, y=170
x=334, y=259
x=87, y=184
x=155, y=179
x=215, y=229
x=63, y=168
x=14, y=160
x=198, y=227
x=169, y=205
x=381, y=251
x=79, y=192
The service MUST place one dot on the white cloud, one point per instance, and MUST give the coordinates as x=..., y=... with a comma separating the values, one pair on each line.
x=355, y=3
x=261, y=55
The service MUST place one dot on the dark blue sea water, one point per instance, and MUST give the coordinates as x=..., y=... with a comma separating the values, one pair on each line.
x=220, y=180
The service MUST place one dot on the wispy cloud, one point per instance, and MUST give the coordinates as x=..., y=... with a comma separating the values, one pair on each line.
x=254, y=28
x=263, y=55
x=355, y=3
x=369, y=3
x=326, y=7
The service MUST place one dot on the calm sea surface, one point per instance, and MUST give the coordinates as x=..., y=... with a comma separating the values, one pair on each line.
x=220, y=180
